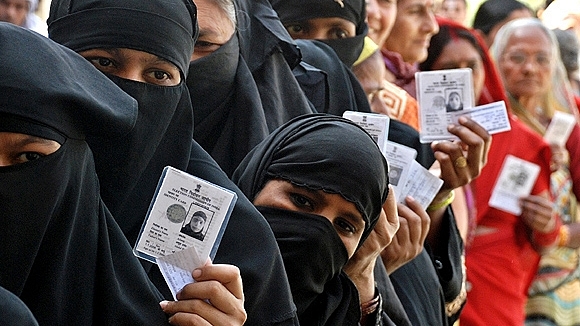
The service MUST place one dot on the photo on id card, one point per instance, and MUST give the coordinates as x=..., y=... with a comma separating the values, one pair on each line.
x=442, y=96
x=185, y=212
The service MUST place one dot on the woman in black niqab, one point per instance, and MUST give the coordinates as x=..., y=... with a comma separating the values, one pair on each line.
x=349, y=48
x=65, y=257
x=129, y=167
x=229, y=118
x=332, y=154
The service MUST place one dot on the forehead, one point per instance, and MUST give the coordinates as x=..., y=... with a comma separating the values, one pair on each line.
x=530, y=38
x=416, y=3
x=15, y=2
x=459, y=49
x=328, y=22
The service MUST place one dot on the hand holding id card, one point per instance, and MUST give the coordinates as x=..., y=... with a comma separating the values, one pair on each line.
x=445, y=95
x=184, y=225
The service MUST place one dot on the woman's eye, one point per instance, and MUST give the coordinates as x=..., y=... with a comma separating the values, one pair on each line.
x=344, y=226
x=301, y=201
x=295, y=29
x=101, y=62
x=206, y=47
x=339, y=33
x=29, y=156
x=161, y=75
x=474, y=66
x=105, y=62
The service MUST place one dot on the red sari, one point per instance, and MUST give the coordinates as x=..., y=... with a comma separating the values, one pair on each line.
x=500, y=264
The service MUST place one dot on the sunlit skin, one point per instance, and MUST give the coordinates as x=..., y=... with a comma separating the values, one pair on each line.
x=525, y=65
x=329, y=28
x=134, y=65
x=14, y=11
x=215, y=28
x=414, y=26
x=381, y=16
x=344, y=216
x=516, y=14
x=460, y=53
x=16, y=148
x=455, y=10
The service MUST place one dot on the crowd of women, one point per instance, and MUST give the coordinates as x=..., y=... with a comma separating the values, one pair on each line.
x=249, y=94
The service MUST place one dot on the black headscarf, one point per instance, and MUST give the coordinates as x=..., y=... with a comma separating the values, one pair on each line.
x=271, y=55
x=492, y=12
x=320, y=152
x=329, y=147
x=344, y=90
x=348, y=49
x=67, y=259
x=229, y=119
x=129, y=167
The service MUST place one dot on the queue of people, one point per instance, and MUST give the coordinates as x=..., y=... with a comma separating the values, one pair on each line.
x=249, y=95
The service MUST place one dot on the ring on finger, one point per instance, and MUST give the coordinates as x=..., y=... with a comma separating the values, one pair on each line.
x=460, y=162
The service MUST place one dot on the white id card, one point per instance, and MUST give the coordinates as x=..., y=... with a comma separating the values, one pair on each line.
x=186, y=212
x=376, y=125
x=516, y=180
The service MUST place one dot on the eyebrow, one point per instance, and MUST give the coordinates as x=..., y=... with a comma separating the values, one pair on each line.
x=319, y=196
x=25, y=139
x=158, y=59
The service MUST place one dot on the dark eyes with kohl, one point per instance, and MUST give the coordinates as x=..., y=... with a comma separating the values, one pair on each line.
x=134, y=65
x=18, y=148
x=306, y=204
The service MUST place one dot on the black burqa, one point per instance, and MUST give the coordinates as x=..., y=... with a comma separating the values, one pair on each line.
x=229, y=118
x=271, y=55
x=129, y=167
x=349, y=48
x=67, y=259
x=320, y=152
x=424, y=284
x=344, y=92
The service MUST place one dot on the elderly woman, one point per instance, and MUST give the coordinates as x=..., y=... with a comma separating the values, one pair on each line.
x=458, y=47
x=528, y=60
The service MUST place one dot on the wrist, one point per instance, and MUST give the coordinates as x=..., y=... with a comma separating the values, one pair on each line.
x=443, y=203
x=548, y=238
x=370, y=306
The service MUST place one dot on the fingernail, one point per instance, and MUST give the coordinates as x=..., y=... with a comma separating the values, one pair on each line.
x=163, y=304
x=462, y=119
x=196, y=273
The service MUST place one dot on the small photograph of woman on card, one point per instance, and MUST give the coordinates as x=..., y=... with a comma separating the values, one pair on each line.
x=197, y=225
x=454, y=100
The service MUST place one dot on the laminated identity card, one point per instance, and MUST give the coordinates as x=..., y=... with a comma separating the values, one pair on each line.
x=560, y=128
x=376, y=125
x=445, y=95
x=516, y=180
x=184, y=225
x=406, y=176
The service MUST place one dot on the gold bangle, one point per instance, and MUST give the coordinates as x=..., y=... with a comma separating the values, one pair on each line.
x=563, y=235
x=448, y=200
